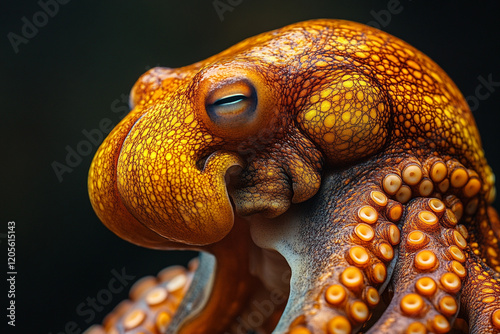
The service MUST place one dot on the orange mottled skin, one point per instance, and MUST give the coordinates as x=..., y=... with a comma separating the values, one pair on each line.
x=327, y=148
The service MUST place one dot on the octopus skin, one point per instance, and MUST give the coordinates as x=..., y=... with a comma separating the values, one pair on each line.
x=332, y=177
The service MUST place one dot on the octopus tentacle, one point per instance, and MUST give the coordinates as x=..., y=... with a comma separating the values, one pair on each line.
x=345, y=275
x=428, y=274
x=152, y=305
x=484, y=235
x=481, y=296
x=427, y=280
x=220, y=279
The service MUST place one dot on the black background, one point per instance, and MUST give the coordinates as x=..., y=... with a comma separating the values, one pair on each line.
x=67, y=77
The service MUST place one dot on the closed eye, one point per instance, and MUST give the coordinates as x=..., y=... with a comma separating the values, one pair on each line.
x=232, y=105
x=235, y=103
x=231, y=99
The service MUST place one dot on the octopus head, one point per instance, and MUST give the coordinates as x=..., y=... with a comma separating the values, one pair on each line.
x=252, y=129
x=255, y=124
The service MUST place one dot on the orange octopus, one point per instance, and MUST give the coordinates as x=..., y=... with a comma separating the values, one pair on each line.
x=330, y=174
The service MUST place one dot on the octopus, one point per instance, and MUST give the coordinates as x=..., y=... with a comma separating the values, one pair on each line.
x=332, y=178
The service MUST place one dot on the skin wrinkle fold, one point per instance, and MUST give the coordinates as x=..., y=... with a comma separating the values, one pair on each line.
x=326, y=149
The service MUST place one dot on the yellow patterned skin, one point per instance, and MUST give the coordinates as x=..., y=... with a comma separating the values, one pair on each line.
x=327, y=134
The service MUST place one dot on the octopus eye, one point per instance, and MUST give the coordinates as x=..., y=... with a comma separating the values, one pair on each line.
x=232, y=105
x=234, y=102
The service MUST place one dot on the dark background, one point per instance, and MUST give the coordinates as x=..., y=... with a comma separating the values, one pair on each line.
x=71, y=75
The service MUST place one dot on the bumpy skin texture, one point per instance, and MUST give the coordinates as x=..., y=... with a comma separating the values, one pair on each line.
x=338, y=146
